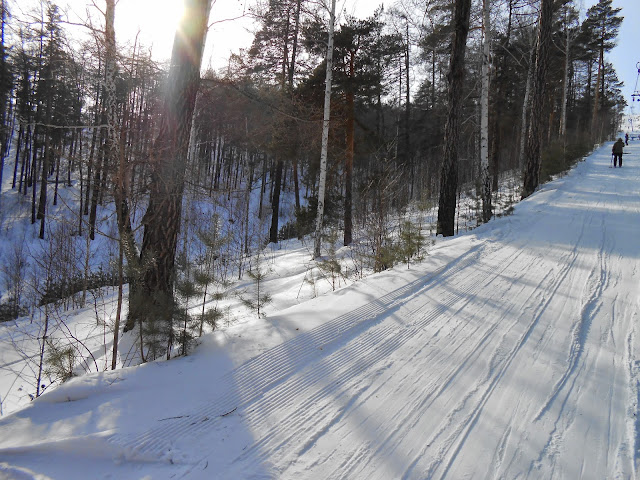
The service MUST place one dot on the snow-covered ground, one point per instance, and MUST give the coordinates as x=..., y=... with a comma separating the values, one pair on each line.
x=512, y=351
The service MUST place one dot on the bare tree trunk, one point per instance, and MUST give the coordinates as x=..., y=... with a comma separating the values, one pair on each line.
x=485, y=177
x=263, y=186
x=596, y=98
x=407, y=113
x=455, y=77
x=534, y=141
x=275, y=201
x=169, y=156
x=115, y=156
x=565, y=79
x=244, y=251
x=349, y=154
x=43, y=346
x=42, y=202
x=33, y=176
x=325, y=134
x=296, y=190
x=57, y=181
x=524, y=127
x=92, y=149
x=25, y=161
x=116, y=327
x=18, y=145
x=97, y=186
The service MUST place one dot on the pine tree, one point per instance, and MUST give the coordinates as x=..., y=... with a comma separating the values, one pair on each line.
x=410, y=241
x=601, y=25
x=256, y=298
x=362, y=53
x=154, y=291
x=534, y=140
x=273, y=56
x=212, y=242
x=455, y=77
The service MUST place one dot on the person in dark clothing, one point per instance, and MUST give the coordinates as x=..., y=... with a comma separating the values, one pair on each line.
x=617, y=152
x=626, y=139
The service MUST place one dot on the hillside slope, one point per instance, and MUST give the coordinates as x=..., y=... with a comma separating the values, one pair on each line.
x=511, y=352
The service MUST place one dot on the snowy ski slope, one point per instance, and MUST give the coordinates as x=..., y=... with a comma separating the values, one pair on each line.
x=510, y=352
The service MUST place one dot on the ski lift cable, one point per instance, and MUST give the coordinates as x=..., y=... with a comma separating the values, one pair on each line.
x=636, y=93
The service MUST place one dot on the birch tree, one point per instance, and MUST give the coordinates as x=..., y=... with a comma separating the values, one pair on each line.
x=485, y=178
x=113, y=153
x=325, y=134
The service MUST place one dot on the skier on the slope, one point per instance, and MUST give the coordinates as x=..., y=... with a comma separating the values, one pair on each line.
x=617, y=151
x=626, y=139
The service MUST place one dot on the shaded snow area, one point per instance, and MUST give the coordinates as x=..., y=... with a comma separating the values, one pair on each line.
x=510, y=352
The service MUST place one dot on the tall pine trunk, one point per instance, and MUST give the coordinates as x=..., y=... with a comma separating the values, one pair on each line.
x=455, y=77
x=534, y=141
x=595, y=124
x=161, y=221
x=565, y=77
x=349, y=155
x=275, y=201
x=407, y=113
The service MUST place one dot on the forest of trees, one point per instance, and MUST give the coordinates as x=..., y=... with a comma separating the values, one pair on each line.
x=428, y=98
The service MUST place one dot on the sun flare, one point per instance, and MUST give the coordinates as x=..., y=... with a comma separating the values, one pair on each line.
x=156, y=22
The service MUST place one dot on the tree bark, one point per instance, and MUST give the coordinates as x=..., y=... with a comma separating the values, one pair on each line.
x=349, y=155
x=455, y=77
x=524, y=128
x=275, y=202
x=15, y=165
x=325, y=134
x=565, y=78
x=596, y=97
x=407, y=112
x=169, y=160
x=485, y=177
x=42, y=203
x=534, y=140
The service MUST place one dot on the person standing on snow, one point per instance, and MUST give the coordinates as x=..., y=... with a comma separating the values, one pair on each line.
x=617, y=151
x=626, y=139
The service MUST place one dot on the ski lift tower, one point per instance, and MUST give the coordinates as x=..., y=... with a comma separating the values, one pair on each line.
x=635, y=96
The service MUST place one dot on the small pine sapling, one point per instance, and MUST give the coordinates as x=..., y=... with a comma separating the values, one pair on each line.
x=157, y=331
x=186, y=290
x=204, y=275
x=60, y=362
x=411, y=241
x=255, y=298
x=259, y=298
x=210, y=318
x=330, y=265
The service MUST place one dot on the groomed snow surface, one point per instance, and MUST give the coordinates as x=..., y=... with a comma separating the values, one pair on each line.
x=510, y=352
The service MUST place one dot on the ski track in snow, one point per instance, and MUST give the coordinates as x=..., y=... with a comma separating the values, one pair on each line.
x=352, y=366
x=582, y=359
x=250, y=380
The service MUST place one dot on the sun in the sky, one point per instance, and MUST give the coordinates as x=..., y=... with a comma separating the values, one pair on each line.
x=155, y=20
